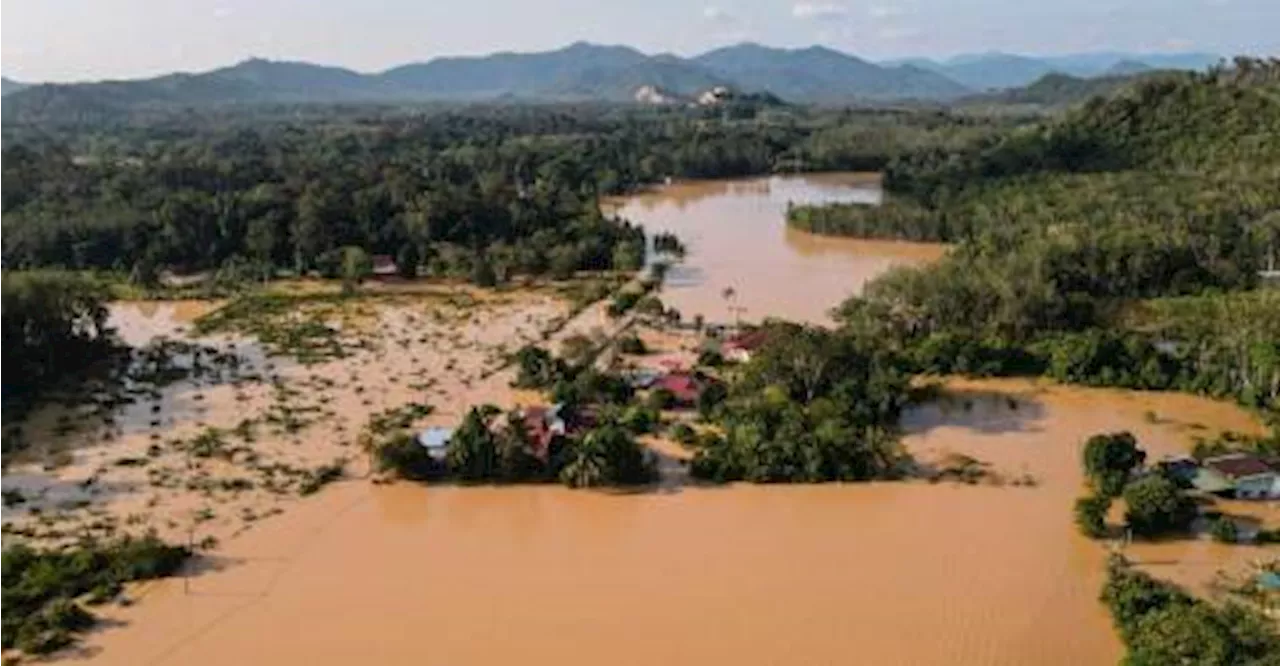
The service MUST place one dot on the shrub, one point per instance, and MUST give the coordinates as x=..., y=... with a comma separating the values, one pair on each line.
x=39, y=611
x=1224, y=530
x=1091, y=515
x=401, y=454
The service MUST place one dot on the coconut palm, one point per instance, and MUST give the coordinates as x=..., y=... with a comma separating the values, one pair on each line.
x=587, y=465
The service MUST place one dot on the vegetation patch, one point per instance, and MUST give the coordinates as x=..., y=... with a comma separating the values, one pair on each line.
x=43, y=590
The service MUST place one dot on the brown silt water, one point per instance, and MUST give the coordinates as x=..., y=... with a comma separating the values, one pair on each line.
x=744, y=263
x=892, y=573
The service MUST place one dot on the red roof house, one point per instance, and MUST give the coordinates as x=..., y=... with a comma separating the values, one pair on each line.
x=542, y=424
x=683, y=386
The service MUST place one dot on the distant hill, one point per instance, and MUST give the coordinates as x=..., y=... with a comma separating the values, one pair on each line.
x=578, y=72
x=821, y=74
x=995, y=71
x=8, y=85
x=1126, y=68
x=518, y=74
x=297, y=82
x=1058, y=90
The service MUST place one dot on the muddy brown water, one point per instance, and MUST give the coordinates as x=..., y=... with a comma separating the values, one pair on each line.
x=737, y=238
x=881, y=573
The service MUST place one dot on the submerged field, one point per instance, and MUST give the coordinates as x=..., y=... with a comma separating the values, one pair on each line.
x=757, y=574
x=208, y=455
x=982, y=567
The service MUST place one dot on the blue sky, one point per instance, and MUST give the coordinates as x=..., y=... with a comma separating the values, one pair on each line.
x=59, y=40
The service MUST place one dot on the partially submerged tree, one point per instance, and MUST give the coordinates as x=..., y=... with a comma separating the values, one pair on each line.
x=1155, y=506
x=1109, y=460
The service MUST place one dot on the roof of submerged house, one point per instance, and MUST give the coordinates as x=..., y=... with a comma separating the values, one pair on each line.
x=748, y=341
x=383, y=264
x=682, y=385
x=1239, y=465
x=435, y=438
x=1210, y=481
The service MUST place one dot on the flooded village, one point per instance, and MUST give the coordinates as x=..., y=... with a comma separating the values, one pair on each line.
x=252, y=455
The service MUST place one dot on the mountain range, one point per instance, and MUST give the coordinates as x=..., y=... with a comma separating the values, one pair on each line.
x=583, y=71
x=995, y=71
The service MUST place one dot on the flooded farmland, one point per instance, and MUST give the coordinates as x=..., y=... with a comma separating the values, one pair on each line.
x=896, y=573
x=989, y=574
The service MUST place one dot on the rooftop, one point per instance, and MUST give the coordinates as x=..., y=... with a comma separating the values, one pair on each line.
x=749, y=341
x=435, y=438
x=1239, y=465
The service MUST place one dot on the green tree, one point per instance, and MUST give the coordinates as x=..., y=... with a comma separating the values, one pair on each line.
x=407, y=261
x=482, y=274
x=472, y=454
x=356, y=266
x=1091, y=515
x=586, y=465
x=1155, y=505
x=1190, y=634
x=1109, y=460
x=628, y=256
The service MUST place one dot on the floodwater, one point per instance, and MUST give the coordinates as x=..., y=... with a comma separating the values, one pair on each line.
x=738, y=240
x=883, y=573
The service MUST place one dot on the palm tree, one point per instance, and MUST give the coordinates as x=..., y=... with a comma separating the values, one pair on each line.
x=587, y=463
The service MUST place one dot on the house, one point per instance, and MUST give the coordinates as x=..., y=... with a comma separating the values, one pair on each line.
x=1250, y=476
x=1182, y=469
x=384, y=266
x=435, y=441
x=684, y=387
x=741, y=347
x=543, y=425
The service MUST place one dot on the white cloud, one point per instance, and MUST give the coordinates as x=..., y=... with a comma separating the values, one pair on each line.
x=1178, y=43
x=809, y=10
x=717, y=15
x=885, y=11
x=221, y=12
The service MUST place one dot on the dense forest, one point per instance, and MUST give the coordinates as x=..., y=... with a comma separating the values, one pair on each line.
x=483, y=193
x=1121, y=244
x=439, y=188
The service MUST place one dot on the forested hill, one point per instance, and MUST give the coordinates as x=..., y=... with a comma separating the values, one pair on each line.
x=1057, y=90
x=1225, y=120
x=1073, y=232
x=820, y=74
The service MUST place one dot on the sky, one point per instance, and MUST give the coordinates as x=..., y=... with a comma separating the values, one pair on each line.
x=68, y=40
